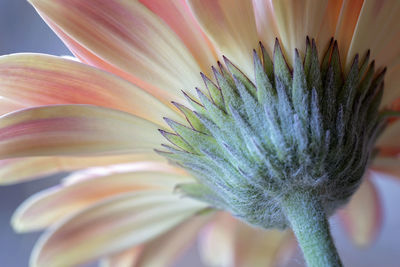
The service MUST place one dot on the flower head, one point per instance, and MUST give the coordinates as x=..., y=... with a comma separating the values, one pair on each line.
x=104, y=113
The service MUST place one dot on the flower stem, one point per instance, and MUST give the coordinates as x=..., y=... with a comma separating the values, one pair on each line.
x=310, y=225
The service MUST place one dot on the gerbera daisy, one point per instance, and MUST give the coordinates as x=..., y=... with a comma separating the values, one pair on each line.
x=279, y=135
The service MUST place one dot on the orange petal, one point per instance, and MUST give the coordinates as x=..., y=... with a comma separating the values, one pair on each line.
x=362, y=217
x=129, y=37
x=91, y=186
x=231, y=26
x=35, y=79
x=296, y=20
x=111, y=226
x=346, y=24
x=74, y=130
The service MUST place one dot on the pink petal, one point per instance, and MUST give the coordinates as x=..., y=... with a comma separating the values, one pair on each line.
x=131, y=38
x=74, y=130
x=35, y=79
x=22, y=169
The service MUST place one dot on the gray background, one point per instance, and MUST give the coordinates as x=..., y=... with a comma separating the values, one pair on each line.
x=21, y=30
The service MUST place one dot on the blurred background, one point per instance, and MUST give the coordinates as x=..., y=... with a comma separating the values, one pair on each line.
x=22, y=30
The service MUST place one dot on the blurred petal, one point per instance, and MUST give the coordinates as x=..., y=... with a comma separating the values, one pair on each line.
x=22, y=169
x=260, y=247
x=91, y=186
x=296, y=20
x=390, y=136
x=392, y=85
x=164, y=250
x=232, y=28
x=130, y=37
x=218, y=239
x=74, y=130
x=363, y=215
x=179, y=17
x=35, y=79
x=265, y=21
x=126, y=258
x=387, y=165
x=111, y=226
x=240, y=245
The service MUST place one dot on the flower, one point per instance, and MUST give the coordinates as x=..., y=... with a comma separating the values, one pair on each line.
x=103, y=114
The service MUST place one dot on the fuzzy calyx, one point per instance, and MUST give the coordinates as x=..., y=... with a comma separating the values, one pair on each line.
x=251, y=143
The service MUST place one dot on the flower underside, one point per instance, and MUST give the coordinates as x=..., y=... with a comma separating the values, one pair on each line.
x=308, y=129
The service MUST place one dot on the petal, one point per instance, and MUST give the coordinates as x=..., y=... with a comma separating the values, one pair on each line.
x=91, y=186
x=362, y=217
x=387, y=165
x=266, y=25
x=296, y=20
x=131, y=38
x=218, y=239
x=7, y=105
x=231, y=26
x=259, y=247
x=238, y=244
x=180, y=19
x=390, y=136
x=392, y=85
x=22, y=169
x=164, y=250
x=378, y=29
x=74, y=130
x=346, y=24
x=35, y=79
x=126, y=258
x=111, y=226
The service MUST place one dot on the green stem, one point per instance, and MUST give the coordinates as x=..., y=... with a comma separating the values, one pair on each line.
x=310, y=225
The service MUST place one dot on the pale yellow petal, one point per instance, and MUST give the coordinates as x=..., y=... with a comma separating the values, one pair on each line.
x=51, y=205
x=23, y=169
x=296, y=20
x=111, y=226
x=130, y=37
x=378, y=29
x=363, y=214
x=266, y=25
x=36, y=79
x=232, y=28
x=74, y=130
x=179, y=17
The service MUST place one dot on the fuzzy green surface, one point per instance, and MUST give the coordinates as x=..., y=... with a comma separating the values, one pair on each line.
x=252, y=142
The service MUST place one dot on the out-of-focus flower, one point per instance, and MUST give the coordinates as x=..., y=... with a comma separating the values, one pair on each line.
x=99, y=117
